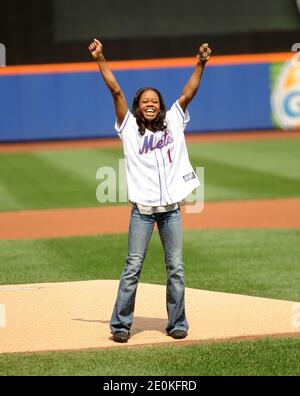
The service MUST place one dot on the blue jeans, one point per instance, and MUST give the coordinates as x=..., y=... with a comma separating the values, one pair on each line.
x=140, y=231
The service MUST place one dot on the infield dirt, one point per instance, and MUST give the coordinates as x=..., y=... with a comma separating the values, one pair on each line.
x=75, y=316
x=50, y=223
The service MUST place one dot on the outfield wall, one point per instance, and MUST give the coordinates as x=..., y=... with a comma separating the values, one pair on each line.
x=70, y=101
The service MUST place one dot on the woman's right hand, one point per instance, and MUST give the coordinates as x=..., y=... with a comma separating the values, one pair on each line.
x=95, y=49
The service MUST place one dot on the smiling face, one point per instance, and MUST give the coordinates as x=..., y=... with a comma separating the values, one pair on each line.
x=149, y=105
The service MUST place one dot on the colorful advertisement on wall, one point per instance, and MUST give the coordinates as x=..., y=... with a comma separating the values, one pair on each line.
x=285, y=95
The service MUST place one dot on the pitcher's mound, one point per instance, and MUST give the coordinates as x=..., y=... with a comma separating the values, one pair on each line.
x=75, y=315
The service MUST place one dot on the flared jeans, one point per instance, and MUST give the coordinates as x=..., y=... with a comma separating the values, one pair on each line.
x=140, y=232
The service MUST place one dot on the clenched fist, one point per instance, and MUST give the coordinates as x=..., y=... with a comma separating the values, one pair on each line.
x=204, y=53
x=95, y=49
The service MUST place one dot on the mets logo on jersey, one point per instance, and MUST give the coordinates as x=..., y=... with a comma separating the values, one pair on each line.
x=149, y=145
x=285, y=99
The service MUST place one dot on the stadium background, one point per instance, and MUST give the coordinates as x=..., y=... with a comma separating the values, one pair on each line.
x=50, y=90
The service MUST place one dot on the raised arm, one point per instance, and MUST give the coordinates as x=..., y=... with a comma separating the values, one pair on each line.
x=191, y=87
x=96, y=50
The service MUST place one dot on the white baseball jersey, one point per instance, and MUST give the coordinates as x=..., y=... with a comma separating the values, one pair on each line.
x=158, y=169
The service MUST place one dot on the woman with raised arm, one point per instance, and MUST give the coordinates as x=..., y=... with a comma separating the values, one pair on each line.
x=159, y=178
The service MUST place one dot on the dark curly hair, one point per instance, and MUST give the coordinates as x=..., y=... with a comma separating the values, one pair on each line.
x=159, y=124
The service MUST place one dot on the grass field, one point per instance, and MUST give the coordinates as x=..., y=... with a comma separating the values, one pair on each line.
x=255, y=262
x=67, y=178
x=261, y=357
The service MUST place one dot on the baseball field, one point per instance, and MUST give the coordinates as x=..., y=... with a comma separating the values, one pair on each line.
x=55, y=237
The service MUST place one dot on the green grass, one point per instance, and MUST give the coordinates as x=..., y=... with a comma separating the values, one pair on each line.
x=67, y=178
x=249, y=170
x=262, y=357
x=52, y=179
x=254, y=262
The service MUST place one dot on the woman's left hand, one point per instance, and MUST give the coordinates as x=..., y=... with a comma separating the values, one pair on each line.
x=204, y=53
